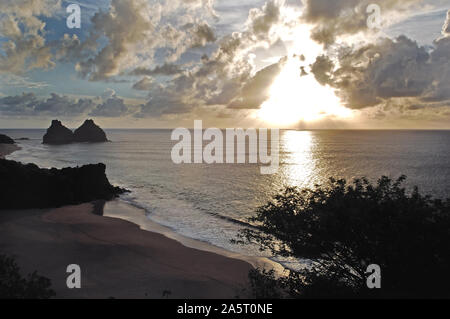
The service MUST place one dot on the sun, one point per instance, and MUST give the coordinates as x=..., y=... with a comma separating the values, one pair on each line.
x=294, y=98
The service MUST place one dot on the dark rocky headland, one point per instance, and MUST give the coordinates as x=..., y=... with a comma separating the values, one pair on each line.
x=28, y=186
x=6, y=139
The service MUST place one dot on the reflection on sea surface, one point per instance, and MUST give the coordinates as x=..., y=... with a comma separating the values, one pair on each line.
x=298, y=162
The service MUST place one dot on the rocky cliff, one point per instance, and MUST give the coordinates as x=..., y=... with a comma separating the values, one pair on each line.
x=89, y=132
x=28, y=186
x=58, y=134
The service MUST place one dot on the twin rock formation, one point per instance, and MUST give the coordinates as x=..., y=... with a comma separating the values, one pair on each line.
x=89, y=132
x=24, y=186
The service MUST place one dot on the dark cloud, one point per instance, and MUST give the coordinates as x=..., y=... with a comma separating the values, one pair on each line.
x=18, y=105
x=332, y=19
x=397, y=78
x=28, y=104
x=323, y=69
x=58, y=105
x=63, y=106
x=167, y=69
x=164, y=102
x=201, y=35
x=256, y=91
x=388, y=69
x=112, y=107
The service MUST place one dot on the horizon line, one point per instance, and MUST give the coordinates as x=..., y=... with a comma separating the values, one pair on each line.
x=282, y=129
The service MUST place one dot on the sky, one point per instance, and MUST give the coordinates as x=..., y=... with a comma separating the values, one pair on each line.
x=301, y=64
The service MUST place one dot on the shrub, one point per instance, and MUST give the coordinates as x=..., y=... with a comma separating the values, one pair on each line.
x=14, y=286
x=344, y=227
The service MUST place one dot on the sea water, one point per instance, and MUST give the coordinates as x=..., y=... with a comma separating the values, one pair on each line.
x=211, y=203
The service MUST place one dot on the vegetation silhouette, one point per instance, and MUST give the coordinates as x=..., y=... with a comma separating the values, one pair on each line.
x=14, y=286
x=342, y=228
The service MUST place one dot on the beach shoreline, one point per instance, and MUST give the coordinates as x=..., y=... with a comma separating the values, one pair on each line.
x=117, y=258
x=122, y=210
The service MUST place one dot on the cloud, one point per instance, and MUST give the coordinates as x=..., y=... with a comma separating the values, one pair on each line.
x=18, y=105
x=136, y=31
x=56, y=105
x=397, y=77
x=227, y=77
x=333, y=19
x=260, y=21
x=112, y=107
x=22, y=26
x=145, y=84
x=122, y=36
x=125, y=40
x=256, y=90
x=388, y=69
x=446, y=27
x=127, y=28
x=201, y=35
x=164, y=102
x=107, y=94
x=28, y=104
x=165, y=69
x=17, y=81
x=63, y=106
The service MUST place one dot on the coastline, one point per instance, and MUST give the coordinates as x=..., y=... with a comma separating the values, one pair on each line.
x=122, y=210
x=122, y=254
x=126, y=211
x=7, y=149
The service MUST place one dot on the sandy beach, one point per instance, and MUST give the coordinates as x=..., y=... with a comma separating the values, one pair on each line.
x=119, y=256
x=6, y=149
x=116, y=257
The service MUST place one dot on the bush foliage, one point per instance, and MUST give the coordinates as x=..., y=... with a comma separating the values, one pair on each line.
x=14, y=286
x=344, y=227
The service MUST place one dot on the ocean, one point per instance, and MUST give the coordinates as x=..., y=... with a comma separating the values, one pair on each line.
x=211, y=203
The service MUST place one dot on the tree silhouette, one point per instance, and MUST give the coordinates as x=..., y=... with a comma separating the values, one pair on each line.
x=14, y=286
x=345, y=227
